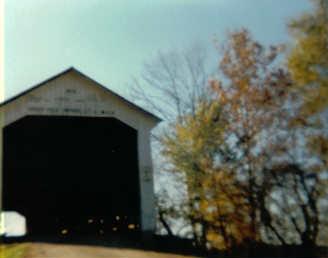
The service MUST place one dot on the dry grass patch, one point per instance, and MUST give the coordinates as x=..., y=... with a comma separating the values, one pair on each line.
x=13, y=250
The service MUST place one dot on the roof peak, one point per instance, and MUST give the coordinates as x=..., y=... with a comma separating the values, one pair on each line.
x=70, y=69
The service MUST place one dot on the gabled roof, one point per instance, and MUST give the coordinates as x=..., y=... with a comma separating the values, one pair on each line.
x=88, y=78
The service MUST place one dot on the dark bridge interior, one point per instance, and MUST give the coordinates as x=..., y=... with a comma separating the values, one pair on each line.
x=72, y=175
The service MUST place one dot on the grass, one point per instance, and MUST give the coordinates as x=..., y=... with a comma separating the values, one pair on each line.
x=12, y=250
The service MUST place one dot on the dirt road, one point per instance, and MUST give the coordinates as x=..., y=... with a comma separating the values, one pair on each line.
x=38, y=250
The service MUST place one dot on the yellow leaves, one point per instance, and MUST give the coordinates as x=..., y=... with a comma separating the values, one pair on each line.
x=223, y=207
x=199, y=146
x=308, y=60
x=197, y=131
x=216, y=240
x=302, y=60
x=308, y=64
x=316, y=100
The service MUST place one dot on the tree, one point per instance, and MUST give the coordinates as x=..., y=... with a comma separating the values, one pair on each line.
x=171, y=85
x=216, y=207
x=308, y=65
x=253, y=95
x=258, y=99
x=221, y=149
x=308, y=59
x=299, y=194
x=173, y=82
x=236, y=142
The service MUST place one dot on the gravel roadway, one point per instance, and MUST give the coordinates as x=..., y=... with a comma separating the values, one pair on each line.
x=41, y=250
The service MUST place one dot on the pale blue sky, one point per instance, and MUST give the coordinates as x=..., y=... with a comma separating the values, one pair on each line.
x=110, y=39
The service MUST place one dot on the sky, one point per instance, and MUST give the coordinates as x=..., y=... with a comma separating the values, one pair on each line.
x=109, y=40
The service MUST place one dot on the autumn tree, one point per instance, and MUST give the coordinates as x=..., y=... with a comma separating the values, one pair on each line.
x=260, y=105
x=192, y=148
x=308, y=65
x=223, y=148
x=249, y=146
x=308, y=59
x=254, y=95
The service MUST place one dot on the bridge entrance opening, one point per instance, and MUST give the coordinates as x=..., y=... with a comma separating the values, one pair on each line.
x=72, y=176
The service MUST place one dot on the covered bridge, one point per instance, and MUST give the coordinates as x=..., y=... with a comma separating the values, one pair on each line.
x=76, y=159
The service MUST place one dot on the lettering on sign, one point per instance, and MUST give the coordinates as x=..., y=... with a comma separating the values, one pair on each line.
x=52, y=110
x=71, y=91
x=107, y=112
x=35, y=99
x=72, y=110
x=61, y=99
x=36, y=109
